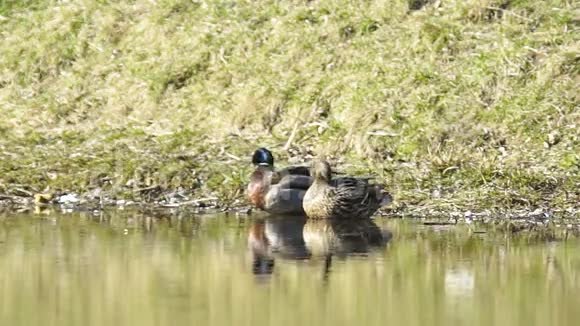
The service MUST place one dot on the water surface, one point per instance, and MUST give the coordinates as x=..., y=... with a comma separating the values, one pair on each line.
x=159, y=268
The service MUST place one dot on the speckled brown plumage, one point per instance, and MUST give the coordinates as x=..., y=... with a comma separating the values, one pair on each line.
x=342, y=198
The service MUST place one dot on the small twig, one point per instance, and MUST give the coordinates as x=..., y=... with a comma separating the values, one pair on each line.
x=439, y=223
x=23, y=191
x=509, y=12
x=193, y=201
x=3, y=197
x=382, y=133
x=146, y=188
x=292, y=135
x=233, y=156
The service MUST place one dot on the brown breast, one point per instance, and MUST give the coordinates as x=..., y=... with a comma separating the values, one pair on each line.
x=256, y=189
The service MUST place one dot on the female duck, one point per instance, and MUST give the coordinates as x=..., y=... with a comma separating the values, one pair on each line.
x=277, y=192
x=343, y=197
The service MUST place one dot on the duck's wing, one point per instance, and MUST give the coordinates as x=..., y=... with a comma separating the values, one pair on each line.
x=284, y=201
x=355, y=197
x=294, y=170
x=295, y=182
x=305, y=170
x=291, y=172
x=350, y=190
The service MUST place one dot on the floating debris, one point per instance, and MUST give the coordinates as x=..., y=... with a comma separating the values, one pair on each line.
x=69, y=199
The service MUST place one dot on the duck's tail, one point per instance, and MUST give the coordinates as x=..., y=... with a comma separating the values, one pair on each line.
x=383, y=197
x=387, y=198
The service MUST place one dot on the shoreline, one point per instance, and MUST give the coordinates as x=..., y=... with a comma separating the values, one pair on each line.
x=539, y=224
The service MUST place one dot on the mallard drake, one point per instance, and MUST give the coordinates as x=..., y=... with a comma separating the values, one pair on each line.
x=342, y=198
x=277, y=192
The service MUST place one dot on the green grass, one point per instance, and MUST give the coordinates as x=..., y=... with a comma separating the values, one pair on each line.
x=455, y=103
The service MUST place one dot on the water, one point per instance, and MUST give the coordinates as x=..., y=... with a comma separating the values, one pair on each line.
x=135, y=268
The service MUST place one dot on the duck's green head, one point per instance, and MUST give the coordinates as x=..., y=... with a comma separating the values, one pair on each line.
x=321, y=170
x=263, y=156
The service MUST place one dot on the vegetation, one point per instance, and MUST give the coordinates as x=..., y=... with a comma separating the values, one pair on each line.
x=455, y=104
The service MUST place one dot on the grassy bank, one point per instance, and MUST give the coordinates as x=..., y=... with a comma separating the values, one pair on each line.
x=455, y=104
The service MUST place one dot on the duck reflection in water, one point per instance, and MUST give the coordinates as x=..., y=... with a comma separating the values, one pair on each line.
x=302, y=239
x=262, y=261
x=343, y=237
x=276, y=236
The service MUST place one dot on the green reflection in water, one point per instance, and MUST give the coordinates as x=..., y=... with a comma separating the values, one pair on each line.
x=133, y=268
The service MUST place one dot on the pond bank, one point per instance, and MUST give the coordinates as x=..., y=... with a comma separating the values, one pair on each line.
x=456, y=106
